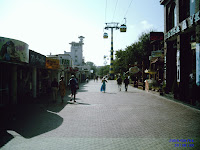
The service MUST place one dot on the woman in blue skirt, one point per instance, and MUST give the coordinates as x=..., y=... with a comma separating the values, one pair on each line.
x=103, y=87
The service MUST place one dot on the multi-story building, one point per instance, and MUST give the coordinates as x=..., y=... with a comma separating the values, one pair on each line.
x=181, y=48
x=77, y=52
x=81, y=70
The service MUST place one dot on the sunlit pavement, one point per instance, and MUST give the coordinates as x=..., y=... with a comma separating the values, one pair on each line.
x=114, y=120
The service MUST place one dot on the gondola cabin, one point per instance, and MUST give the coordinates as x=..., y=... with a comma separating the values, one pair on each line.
x=105, y=35
x=123, y=28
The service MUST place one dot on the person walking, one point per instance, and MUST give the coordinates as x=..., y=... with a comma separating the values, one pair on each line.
x=119, y=83
x=126, y=82
x=62, y=88
x=73, y=83
x=103, y=86
x=54, y=86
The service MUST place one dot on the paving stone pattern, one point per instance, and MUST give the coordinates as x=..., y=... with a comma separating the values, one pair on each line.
x=114, y=120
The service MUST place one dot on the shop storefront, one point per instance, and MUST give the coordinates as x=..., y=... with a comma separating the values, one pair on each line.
x=52, y=71
x=14, y=56
x=182, y=30
x=37, y=68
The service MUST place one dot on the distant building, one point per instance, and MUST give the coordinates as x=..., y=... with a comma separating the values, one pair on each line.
x=77, y=52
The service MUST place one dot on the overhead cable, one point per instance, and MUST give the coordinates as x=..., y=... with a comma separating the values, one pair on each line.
x=115, y=10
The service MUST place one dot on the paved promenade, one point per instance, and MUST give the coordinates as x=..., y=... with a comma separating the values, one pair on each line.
x=115, y=120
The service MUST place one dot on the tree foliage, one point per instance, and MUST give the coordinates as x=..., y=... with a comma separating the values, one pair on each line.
x=92, y=66
x=103, y=70
x=136, y=52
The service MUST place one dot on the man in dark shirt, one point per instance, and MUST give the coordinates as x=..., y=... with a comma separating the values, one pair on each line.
x=126, y=82
x=119, y=82
x=73, y=83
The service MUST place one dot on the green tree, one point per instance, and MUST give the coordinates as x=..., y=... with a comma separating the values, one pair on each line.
x=103, y=70
x=136, y=52
x=92, y=66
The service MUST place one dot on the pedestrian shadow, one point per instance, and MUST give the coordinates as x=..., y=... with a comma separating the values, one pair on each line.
x=109, y=93
x=81, y=90
x=78, y=103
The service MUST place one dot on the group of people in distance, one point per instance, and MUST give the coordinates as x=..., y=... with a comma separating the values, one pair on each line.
x=119, y=83
x=61, y=86
x=73, y=85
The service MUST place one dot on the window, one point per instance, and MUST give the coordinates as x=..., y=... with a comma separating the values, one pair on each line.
x=184, y=9
x=192, y=7
x=171, y=16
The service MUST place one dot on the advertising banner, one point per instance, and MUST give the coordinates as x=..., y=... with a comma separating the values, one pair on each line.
x=198, y=64
x=52, y=63
x=134, y=70
x=156, y=36
x=158, y=53
x=178, y=66
x=36, y=59
x=13, y=50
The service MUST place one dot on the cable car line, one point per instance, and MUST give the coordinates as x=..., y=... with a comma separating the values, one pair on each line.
x=105, y=11
x=115, y=10
x=127, y=10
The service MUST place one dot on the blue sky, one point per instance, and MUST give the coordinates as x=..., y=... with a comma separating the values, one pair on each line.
x=50, y=25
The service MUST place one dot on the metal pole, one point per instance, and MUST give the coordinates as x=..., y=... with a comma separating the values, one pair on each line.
x=111, y=57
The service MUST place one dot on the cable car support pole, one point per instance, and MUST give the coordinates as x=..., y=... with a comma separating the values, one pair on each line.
x=112, y=25
x=111, y=57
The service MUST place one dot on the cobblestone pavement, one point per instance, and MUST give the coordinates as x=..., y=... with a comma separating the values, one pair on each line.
x=114, y=120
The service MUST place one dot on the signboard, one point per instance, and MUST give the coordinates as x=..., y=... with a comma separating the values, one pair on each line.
x=13, y=50
x=65, y=62
x=156, y=36
x=36, y=59
x=198, y=64
x=52, y=63
x=178, y=65
x=158, y=53
x=185, y=24
x=134, y=70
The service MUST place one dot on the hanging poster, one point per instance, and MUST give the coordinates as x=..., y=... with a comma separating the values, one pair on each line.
x=52, y=63
x=13, y=50
x=178, y=65
x=36, y=59
x=198, y=64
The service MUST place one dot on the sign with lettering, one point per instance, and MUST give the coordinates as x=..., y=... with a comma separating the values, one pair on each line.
x=13, y=50
x=156, y=36
x=134, y=70
x=158, y=53
x=185, y=24
x=52, y=63
x=36, y=59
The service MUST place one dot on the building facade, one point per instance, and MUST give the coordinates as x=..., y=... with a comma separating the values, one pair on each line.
x=77, y=52
x=181, y=48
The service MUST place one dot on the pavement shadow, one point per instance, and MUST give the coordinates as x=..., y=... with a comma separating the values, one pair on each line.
x=5, y=137
x=28, y=121
x=56, y=107
x=77, y=103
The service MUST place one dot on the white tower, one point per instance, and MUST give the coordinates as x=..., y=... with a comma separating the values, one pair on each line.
x=77, y=51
